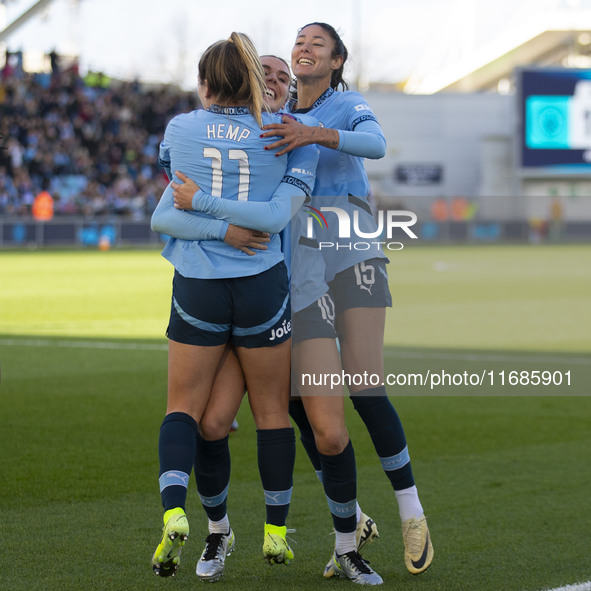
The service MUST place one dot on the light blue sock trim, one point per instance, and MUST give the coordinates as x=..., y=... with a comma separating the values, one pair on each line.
x=216, y=500
x=319, y=474
x=174, y=478
x=396, y=461
x=347, y=509
x=278, y=497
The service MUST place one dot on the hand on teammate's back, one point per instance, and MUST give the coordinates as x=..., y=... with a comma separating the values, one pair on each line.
x=184, y=191
x=245, y=240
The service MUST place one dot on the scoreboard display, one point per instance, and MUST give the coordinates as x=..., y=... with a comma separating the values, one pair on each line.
x=555, y=117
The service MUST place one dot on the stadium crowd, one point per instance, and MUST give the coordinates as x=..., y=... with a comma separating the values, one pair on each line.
x=91, y=143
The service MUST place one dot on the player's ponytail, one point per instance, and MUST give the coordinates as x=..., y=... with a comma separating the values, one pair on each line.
x=234, y=73
x=256, y=74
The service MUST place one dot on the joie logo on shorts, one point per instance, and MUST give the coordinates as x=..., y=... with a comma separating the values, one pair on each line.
x=277, y=333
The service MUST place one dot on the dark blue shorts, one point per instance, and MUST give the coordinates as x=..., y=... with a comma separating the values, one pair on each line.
x=315, y=322
x=249, y=311
x=364, y=285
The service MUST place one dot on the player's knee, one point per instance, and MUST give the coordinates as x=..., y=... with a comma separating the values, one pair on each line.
x=331, y=443
x=214, y=428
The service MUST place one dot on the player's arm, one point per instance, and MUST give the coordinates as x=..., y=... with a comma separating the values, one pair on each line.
x=188, y=225
x=164, y=153
x=267, y=216
x=365, y=139
x=166, y=219
x=295, y=134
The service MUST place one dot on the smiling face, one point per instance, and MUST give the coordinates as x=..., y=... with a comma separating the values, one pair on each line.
x=312, y=54
x=277, y=79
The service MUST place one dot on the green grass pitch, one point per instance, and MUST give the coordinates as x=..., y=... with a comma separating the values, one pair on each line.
x=503, y=470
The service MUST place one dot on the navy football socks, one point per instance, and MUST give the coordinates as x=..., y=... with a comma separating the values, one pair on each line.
x=176, y=450
x=387, y=434
x=212, y=473
x=276, y=458
x=339, y=478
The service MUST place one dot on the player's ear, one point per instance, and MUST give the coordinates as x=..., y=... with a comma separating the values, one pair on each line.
x=337, y=62
x=203, y=89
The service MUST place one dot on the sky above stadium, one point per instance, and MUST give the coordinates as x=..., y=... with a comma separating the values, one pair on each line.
x=162, y=41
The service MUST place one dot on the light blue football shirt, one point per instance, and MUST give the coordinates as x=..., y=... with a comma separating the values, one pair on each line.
x=221, y=150
x=341, y=180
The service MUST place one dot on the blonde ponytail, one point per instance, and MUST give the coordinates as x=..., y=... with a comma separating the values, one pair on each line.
x=256, y=74
x=234, y=73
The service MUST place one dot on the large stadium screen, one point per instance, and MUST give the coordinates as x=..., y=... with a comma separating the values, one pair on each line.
x=555, y=119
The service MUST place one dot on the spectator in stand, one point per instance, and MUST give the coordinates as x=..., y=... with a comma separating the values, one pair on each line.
x=96, y=147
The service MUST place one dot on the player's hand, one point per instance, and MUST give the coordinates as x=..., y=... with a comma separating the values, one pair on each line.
x=246, y=240
x=293, y=135
x=183, y=192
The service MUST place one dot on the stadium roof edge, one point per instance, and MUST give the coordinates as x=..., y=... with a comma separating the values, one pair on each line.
x=481, y=70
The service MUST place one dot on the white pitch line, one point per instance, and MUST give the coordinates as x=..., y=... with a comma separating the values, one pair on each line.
x=387, y=352
x=82, y=344
x=517, y=358
x=576, y=587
